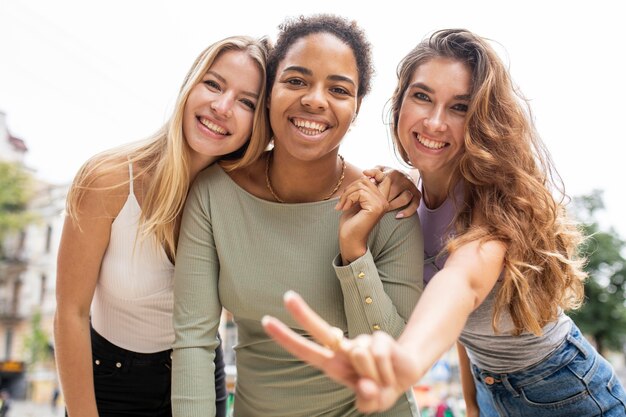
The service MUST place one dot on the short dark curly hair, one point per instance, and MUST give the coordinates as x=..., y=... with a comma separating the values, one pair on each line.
x=347, y=31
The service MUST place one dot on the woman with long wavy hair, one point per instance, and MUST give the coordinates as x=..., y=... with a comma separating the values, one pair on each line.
x=501, y=263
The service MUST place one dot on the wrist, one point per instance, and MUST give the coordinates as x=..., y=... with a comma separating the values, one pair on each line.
x=349, y=255
x=351, y=248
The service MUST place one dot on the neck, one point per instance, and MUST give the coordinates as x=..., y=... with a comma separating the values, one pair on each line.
x=197, y=164
x=435, y=189
x=297, y=181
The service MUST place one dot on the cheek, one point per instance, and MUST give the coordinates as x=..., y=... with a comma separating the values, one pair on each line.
x=245, y=122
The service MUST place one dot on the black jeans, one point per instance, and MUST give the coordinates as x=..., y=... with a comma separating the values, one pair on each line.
x=139, y=384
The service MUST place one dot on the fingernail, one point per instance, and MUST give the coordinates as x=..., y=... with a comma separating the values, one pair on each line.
x=289, y=294
x=373, y=180
x=265, y=320
x=400, y=215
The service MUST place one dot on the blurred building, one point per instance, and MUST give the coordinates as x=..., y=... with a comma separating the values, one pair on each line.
x=27, y=282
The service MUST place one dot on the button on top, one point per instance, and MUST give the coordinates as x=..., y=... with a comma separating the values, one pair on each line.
x=118, y=365
x=361, y=275
x=97, y=361
x=368, y=300
x=376, y=327
x=489, y=380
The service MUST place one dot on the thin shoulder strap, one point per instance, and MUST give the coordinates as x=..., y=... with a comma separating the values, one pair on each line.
x=130, y=173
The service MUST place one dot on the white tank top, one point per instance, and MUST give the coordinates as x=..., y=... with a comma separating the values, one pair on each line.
x=133, y=300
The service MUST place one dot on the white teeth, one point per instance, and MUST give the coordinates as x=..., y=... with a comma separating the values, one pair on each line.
x=430, y=144
x=213, y=127
x=312, y=128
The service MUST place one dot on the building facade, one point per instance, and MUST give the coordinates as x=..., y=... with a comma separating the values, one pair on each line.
x=27, y=282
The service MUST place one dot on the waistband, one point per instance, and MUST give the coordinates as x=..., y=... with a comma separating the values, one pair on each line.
x=98, y=341
x=573, y=345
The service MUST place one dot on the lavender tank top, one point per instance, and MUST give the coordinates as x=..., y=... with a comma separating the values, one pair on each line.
x=501, y=352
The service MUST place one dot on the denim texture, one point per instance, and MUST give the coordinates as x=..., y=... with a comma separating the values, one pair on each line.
x=573, y=381
x=139, y=384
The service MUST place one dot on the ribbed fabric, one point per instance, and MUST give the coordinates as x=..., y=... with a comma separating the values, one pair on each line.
x=133, y=300
x=243, y=253
x=500, y=352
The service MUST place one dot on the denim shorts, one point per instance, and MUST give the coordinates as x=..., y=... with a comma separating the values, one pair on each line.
x=573, y=381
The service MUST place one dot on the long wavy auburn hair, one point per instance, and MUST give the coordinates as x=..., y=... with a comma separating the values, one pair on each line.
x=509, y=184
x=164, y=157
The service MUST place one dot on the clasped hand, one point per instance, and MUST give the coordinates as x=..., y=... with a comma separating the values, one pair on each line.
x=366, y=200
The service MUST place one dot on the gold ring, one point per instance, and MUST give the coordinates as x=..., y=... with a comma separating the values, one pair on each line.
x=338, y=337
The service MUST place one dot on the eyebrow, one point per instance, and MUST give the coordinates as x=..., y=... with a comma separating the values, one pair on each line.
x=465, y=97
x=223, y=81
x=306, y=71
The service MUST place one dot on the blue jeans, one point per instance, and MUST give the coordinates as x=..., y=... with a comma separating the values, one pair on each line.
x=139, y=384
x=573, y=381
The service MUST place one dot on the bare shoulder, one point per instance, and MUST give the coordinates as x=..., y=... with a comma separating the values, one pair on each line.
x=103, y=185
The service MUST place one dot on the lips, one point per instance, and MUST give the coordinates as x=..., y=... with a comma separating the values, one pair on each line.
x=213, y=127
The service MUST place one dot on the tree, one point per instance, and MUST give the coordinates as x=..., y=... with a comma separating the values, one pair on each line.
x=37, y=342
x=16, y=190
x=603, y=316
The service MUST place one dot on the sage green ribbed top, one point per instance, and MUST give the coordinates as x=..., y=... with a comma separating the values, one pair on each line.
x=242, y=253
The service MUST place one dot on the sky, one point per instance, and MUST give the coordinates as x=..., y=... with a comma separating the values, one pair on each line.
x=79, y=77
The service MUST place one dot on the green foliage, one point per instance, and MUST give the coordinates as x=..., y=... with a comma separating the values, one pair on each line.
x=16, y=190
x=37, y=342
x=603, y=316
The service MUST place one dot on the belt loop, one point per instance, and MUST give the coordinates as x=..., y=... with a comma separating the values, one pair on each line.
x=508, y=386
x=579, y=345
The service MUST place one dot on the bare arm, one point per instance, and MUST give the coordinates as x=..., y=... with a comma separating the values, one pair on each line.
x=83, y=244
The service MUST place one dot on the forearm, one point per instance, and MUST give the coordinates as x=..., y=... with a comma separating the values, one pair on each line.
x=381, y=288
x=74, y=363
x=439, y=318
x=193, y=382
x=366, y=304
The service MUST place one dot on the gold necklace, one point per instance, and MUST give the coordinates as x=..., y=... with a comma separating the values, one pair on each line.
x=268, y=183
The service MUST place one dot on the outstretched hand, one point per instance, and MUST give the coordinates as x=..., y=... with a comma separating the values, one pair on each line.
x=376, y=367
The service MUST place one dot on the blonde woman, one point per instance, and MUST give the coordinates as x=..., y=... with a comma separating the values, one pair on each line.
x=113, y=325
x=500, y=254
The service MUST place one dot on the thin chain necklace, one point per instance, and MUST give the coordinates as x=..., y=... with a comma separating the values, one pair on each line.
x=268, y=183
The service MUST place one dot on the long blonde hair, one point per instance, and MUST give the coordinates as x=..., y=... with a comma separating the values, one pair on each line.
x=165, y=156
x=509, y=179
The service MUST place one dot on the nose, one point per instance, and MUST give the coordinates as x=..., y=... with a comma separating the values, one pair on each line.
x=314, y=99
x=436, y=120
x=222, y=105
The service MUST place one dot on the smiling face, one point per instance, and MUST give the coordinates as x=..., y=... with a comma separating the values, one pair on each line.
x=431, y=121
x=219, y=112
x=314, y=96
